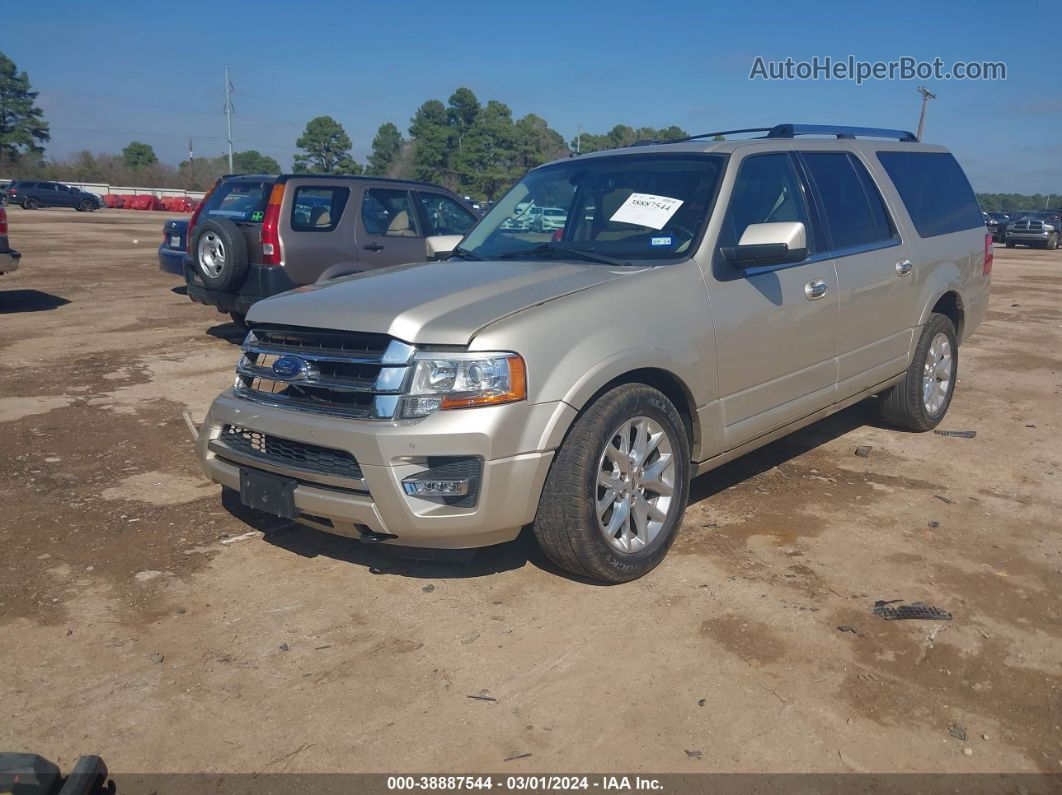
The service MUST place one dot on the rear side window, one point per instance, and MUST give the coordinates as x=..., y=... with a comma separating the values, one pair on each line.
x=317, y=209
x=388, y=213
x=935, y=191
x=445, y=216
x=238, y=200
x=855, y=212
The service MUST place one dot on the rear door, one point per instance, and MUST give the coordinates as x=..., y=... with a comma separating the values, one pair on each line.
x=317, y=230
x=776, y=329
x=389, y=229
x=874, y=275
x=48, y=194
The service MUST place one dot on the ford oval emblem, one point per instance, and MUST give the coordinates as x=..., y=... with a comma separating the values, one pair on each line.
x=291, y=367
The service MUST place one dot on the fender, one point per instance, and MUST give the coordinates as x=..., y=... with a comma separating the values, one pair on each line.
x=337, y=270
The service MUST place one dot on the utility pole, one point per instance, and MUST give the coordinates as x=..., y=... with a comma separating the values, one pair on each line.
x=578, y=138
x=926, y=96
x=191, y=156
x=1047, y=201
x=228, y=115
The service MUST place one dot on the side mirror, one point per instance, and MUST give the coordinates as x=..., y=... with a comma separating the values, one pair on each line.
x=441, y=246
x=768, y=244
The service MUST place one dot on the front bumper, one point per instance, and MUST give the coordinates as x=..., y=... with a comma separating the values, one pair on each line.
x=1029, y=237
x=516, y=443
x=9, y=261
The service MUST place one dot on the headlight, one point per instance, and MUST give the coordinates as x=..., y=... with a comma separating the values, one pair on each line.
x=1049, y=228
x=460, y=380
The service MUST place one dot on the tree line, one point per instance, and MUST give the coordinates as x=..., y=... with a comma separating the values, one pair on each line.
x=472, y=148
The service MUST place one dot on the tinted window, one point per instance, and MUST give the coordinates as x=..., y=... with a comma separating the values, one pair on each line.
x=766, y=190
x=934, y=190
x=389, y=213
x=317, y=209
x=855, y=213
x=445, y=216
x=238, y=200
x=46, y=186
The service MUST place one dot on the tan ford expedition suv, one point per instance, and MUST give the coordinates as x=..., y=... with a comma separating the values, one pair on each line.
x=700, y=299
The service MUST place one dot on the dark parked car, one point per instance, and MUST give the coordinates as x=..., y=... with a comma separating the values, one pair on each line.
x=255, y=236
x=1036, y=229
x=9, y=258
x=997, y=225
x=174, y=246
x=31, y=194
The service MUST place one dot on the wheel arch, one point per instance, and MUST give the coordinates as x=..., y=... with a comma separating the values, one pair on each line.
x=949, y=304
x=666, y=381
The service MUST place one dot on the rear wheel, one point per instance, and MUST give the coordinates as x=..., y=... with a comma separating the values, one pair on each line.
x=1009, y=244
x=920, y=401
x=30, y=203
x=617, y=489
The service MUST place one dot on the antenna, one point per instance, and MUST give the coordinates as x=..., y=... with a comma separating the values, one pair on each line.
x=926, y=96
x=229, y=109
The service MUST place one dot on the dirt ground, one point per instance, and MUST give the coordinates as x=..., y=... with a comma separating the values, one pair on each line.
x=143, y=621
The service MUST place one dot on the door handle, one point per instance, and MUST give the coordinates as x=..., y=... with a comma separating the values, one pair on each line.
x=373, y=247
x=815, y=289
x=904, y=268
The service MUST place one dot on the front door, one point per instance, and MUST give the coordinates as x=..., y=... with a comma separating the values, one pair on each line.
x=776, y=329
x=389, y=231
x=876, y=298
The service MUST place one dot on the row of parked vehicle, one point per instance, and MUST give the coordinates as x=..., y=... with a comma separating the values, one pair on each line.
x=1033, y=228
x=574, y=375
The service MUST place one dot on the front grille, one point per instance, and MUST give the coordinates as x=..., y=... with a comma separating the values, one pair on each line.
x=348, y=374
x=290, y=453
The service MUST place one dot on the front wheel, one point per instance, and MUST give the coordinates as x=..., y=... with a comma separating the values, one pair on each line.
x=921, y=399
x=1009, y=244
x=617, y=489
x=85, y=206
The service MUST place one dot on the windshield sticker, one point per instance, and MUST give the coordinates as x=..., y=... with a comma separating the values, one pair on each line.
x=661, y=241
x=645, y=209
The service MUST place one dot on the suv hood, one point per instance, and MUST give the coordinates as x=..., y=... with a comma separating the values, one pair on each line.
x=439, y=303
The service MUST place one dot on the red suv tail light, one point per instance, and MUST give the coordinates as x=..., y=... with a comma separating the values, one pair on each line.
x=195, y=217
x=987, y=269
x=271, y=254
x=3, y=222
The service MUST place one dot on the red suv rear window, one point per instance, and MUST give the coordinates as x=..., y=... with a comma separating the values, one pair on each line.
x=238, y=200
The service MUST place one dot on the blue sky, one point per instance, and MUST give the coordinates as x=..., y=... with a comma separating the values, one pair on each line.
x=116, y=71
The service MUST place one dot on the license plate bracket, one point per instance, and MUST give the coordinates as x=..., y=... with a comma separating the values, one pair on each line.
x=175, y=241
x=272, y=494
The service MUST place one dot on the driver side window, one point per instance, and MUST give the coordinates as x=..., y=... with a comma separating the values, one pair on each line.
x=766, y=190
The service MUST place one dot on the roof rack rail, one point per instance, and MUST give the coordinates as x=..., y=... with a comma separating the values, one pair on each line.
x=793, y=130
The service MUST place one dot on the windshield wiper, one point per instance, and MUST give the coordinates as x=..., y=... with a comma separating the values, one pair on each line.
x=464, y=252
x=551, y=249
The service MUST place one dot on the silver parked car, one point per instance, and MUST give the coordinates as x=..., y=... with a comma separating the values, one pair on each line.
x=702, y=299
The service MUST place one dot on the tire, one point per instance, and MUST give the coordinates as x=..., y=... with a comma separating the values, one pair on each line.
x=1053, y=242
x=567, y=525
x=239, y=318
x=85, y=206
x=1009, y=244
x=31, y=203
x=910, y=403
x=220, y=253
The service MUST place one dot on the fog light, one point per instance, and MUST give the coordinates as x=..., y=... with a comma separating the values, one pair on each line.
x=451, y=480
x=435, y=488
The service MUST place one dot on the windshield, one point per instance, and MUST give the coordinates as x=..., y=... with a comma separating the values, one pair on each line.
x=629, y=207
